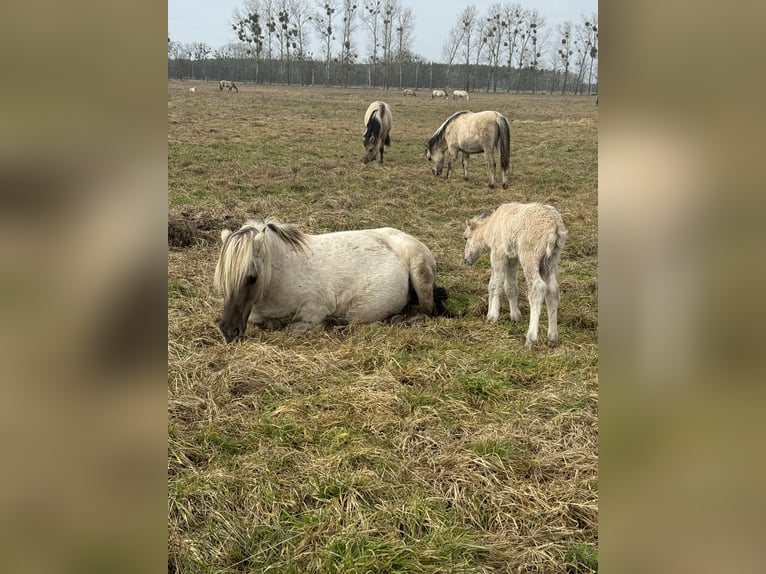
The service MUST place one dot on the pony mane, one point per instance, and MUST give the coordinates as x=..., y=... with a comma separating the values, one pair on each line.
x=237, y=260
x=373, y=124
x=439, y=133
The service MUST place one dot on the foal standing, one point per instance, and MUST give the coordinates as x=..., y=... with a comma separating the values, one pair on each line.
x=530, y=233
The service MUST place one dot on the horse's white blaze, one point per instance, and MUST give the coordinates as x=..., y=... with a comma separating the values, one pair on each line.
x=530, y=234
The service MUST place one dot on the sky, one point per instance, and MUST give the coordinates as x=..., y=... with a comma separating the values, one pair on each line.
x=209, y=21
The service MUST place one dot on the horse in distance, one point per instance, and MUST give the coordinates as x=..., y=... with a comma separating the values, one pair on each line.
x=528, y=233
x=192, y=89
x=439, y=94
x=465, y=133
x=378, y=121
x=270, y=272
x=227, y=84
x=409, y=92
x=462, y=94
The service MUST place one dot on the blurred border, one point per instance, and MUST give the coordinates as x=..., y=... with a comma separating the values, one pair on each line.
x=680, y=249
x=83, y=187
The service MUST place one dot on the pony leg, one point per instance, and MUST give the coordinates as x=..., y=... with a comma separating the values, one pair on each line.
x=496, y=281
x=381, y=153
x=491, y=166
x=464, y=160
x=512, y=288
x=552, y=303
x=422, y=279
x=536, y=289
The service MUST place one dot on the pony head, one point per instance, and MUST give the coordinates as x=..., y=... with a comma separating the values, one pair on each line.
x=475, y=243
x=371, y=135
x=243, y=271
x=435, y=156
x=239, y=277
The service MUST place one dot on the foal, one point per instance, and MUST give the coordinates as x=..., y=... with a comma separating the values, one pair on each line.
x=530, y=233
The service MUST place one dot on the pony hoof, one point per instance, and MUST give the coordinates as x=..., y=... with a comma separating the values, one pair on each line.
x=492, y=186
x=553, y=342
x=505, y=186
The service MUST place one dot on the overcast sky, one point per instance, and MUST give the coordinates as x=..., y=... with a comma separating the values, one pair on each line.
x=209, y=21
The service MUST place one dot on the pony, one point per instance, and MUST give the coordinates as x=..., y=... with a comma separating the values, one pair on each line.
x=378, y=121
x=272, y=273
x=460, y=94
x=227, y=84
x=465, y=133
x=409, y=92
x=439, y=94
x=192, y=89
x=528, y=233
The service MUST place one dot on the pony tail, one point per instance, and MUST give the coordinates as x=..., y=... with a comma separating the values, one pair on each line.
x=554, y=243
x=505, y=142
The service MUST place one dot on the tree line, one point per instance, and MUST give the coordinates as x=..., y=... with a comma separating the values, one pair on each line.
x=506, y=48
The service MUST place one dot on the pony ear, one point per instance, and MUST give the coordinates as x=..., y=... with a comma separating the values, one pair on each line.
x=225, y=234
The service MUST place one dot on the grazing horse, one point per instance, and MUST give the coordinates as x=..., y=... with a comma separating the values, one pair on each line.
x=378, y=121
x=465, y=133
x=439, y=94
x=528, y=233
x=272, y=273
x=192, y=89
x=460, y=94
x=409, y=92
x=227, y=84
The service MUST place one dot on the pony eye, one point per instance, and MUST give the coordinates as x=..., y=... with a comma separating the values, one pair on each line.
x=251, y=280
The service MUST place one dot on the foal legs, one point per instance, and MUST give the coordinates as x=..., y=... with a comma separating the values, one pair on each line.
x=552, y=303
x=496, y=283
x=536, y=292
x=512, y=288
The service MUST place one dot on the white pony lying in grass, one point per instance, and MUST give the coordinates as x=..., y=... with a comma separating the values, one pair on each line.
x=530, y=233
x=272, y=273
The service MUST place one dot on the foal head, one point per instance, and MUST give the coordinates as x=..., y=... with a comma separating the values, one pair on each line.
x=475, y=243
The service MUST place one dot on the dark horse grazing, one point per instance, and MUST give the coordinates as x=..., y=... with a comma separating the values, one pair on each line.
x=465, y=133
x=378, y=121
x=227, y=84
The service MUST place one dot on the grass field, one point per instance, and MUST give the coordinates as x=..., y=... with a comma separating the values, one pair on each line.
x=443, y=446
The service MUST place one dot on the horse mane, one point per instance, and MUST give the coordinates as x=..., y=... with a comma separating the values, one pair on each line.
x=373, y=124
x=439, y=133
x=236, y=262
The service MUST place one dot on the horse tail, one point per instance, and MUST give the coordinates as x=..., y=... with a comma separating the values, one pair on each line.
x=504, y=129
x=554, y=243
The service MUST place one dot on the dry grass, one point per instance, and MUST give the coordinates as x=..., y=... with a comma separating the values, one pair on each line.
x=443, y=446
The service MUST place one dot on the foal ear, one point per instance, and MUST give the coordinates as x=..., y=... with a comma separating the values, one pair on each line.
x=225, y=234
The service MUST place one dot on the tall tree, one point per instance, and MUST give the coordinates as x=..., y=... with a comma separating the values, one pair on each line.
x=390, y=11
x=591, y=46
x=248, y=27
x=323, y=22
x=405, y=29
x=513, y=16
x=300, y=12
x=493, y=38
x=468, y=19
x=371, y=16
x=565, y=51
x=347, y=55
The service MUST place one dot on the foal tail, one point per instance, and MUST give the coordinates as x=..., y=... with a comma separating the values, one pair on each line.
x=504, y=142
x=553, y=246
